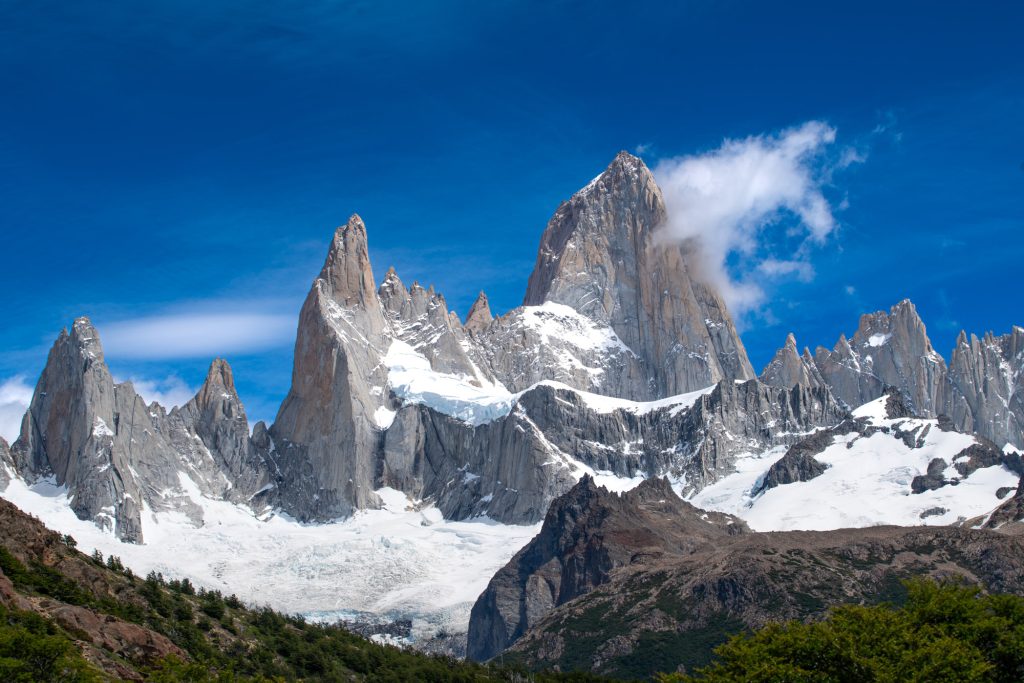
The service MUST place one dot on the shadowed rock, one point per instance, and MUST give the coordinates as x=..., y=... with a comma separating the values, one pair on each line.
x=587, y=534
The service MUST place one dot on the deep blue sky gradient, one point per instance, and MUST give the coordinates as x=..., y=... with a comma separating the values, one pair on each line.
x=179, y=156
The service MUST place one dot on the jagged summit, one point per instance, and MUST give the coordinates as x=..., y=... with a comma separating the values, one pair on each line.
x=603, y=209
x=479, y=317
x=219, y=377
x=346, y=271
x=981, y=390
x=115, y=454
x=621, y=360
x=789, y=368
x=84, y=337
x=598, y=256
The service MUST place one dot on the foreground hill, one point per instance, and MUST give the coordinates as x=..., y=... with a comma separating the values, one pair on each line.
x=68, y=617
x=634, y=584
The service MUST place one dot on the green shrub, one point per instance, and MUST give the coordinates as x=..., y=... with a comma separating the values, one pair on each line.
x=944, y=632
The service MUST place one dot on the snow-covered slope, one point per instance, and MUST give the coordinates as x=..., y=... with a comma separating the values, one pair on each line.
x=379, y=565
x=870, y=467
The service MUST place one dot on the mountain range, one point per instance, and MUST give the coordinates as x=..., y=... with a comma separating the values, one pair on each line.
x=622, y=365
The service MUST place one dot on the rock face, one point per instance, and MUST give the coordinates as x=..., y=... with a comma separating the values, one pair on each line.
x=217, y=417
x=799, y=463
x=562, y=346
x=588, y=533
x=982, y=390
x=113, y=452
x=479, y=317
x=511, y=468
x=986, y=386
x=788, y=368
x=599, y=256
x=328, y=438
x=7, y=468
x=888, y=349
x=325, y=433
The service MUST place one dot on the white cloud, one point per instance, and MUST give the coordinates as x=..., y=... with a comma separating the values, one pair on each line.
x=169, y=392
x=722, y=201
x=851, y=156
x=774, y=267
x=196, y=335
x=15, y=396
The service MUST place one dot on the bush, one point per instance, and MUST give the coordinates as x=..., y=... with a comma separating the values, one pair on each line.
x=945, y=632
x=33, y=650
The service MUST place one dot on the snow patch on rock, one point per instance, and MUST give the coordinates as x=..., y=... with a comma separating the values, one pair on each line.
x=868, y=482
x=412, y=379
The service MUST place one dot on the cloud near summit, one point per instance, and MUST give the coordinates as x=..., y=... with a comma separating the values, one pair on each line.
x=725, y=201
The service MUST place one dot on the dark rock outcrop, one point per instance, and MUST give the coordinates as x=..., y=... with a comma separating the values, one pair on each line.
x=1009, y=517
x=798, y=464
x=626, y=585
x=587, y=534
x=933, y=479
x=670, y=614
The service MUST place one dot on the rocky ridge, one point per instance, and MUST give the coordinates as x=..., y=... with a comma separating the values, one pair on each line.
x=981, y=390
x=114, y=453
x=621, y=363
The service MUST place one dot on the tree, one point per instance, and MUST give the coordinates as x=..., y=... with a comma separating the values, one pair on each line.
x=945, y=632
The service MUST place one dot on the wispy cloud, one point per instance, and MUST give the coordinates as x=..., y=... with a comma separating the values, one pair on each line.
x=722, y=201
x=774, y=267
x=15, y=396
x=197, y=335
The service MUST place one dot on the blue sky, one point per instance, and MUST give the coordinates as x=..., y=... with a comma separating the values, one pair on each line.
x=183, y=162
